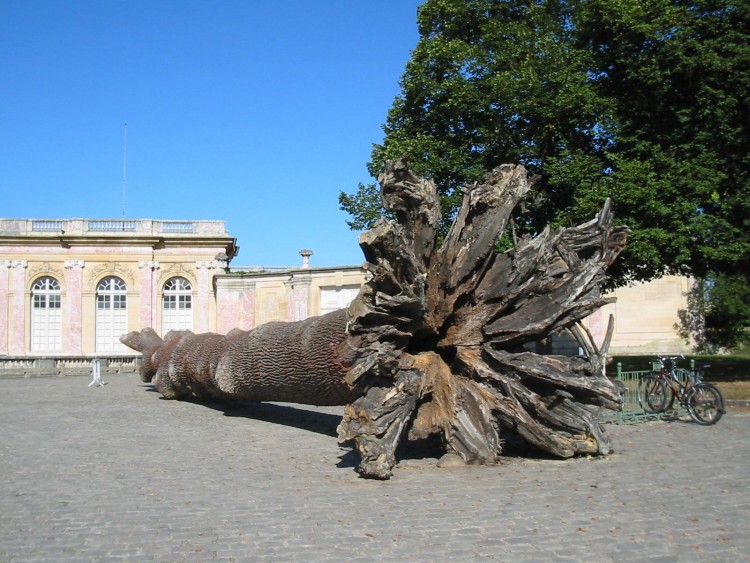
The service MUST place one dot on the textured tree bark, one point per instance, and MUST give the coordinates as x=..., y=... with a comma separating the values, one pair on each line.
x=438, y=340
x=296, y=362
x=441, y=331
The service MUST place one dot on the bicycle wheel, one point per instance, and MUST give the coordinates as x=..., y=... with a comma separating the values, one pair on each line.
x=705, y=404
x=653, y=395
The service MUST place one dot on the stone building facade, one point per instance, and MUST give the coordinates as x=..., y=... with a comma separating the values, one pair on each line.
x=69, y=288
x=248, y=297
x=645, y=318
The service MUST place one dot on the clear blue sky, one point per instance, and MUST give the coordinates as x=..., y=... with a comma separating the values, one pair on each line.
x=253, y=112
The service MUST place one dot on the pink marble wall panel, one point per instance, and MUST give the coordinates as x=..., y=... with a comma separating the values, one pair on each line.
x=17, y=309
x=236, y=309
x=147, y=314
x=4, y=279
x=198, y=252
x=247, y=308
x=73, y=309
x=201, y=307
x=597, y=325
x=298, y=298
x=228, y=310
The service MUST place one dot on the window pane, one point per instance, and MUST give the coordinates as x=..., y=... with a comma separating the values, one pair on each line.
x=177, y=284
x=111, y=283
x=46, y=284
x=46, y=318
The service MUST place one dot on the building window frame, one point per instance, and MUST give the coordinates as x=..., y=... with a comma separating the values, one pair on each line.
x=177, y=304
x=46, y=315
x=111, y=314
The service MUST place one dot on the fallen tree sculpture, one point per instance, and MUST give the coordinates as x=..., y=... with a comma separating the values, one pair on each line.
x=438, y=340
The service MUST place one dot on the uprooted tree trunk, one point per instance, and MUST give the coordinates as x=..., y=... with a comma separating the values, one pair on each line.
x=435, y=340
x=441, y=331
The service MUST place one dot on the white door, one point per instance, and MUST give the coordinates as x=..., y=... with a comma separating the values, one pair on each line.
x=46, y=315
x=177, y=305
x=111, y=314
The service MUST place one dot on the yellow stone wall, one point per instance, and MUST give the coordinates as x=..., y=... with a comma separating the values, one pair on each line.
x=143, y=257
x=645, y=313
x=248, y=299
x=645, y=317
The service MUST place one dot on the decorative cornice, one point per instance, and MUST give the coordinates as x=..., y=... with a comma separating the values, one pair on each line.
x=112, y=268
x=178, y=268
x=43, y=268
x=235, y=284
x=211, y=264
x=300, y=279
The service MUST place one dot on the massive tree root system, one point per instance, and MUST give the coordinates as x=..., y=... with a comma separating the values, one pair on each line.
x=440, y=340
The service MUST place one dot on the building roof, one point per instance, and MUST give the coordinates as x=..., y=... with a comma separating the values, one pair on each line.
x=85, y=232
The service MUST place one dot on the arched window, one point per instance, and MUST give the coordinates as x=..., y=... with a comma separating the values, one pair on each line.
x=46, y=315
x=111, y=314
x=177, y=309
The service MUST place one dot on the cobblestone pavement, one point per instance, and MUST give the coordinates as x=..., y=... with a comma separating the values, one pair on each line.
x=117, y=473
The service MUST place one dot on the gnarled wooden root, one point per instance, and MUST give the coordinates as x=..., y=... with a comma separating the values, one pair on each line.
x=438, y=341
x=440, y=331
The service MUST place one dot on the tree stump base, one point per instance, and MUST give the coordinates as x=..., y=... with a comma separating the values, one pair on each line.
x=439, y=340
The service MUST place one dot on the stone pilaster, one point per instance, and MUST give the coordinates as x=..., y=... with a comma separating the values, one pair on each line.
x=17, y=308
x=73, y=307
x=235, y=303
x=201, y=309
x=298, y=296
x=149, y=293
x=205, y=272
x=4, y=301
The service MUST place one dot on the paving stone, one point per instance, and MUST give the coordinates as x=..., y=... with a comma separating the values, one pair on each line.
x=117, y=473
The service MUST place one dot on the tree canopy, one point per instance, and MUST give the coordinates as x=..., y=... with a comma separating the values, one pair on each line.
x=643, y=101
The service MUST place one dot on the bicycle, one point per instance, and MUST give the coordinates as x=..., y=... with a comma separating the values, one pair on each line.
x=658, y=391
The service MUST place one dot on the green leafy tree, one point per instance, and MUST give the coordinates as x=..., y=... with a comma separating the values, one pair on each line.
x=643, y=101
x=682, y=71
x=364, y=206
x=717, y=313
x=679, y=73
x=728, y=312
x=490, y=83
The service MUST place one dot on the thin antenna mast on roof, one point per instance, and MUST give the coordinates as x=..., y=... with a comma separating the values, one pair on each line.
x=124, y=169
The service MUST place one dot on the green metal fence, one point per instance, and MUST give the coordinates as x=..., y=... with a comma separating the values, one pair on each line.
x=631, y=404
x=632, y=411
